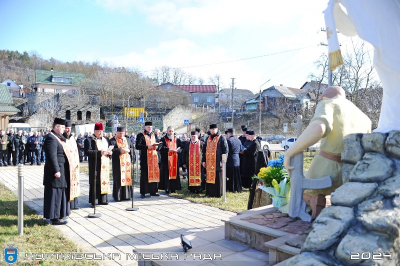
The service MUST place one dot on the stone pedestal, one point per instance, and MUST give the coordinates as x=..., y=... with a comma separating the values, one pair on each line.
x=362, y=226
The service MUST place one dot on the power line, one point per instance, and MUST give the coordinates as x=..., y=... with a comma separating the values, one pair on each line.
x=242, y=59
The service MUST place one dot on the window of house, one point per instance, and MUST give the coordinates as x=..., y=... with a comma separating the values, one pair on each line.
x=79, y=115
x=68, y=115
x=88, y=115
x=209, y=99
x=8, y=84
x=66, y=80
x=196, y=99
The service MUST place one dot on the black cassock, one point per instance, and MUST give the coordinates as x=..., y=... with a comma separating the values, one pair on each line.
x=145, y=186
x=169, y=185
x=215, y=190
x=249, y=160
x=56, y=205
x=262, y=161
x=92, y=152
x=120, y=192
x=185, y=160
x=234, y=181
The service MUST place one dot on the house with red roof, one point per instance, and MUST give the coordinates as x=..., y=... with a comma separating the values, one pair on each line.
x=201, y=95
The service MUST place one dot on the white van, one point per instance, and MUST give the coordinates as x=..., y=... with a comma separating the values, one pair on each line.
x=19, y=126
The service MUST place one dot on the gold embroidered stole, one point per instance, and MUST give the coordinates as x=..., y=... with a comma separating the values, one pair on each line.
x=67, y=153
x=152, y=160
x=74, y=167
x=211, y=159
x=194, y=164
x=102, y=144
x=172, y=158
x=124, y=163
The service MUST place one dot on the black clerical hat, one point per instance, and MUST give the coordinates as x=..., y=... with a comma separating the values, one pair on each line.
x=120, y=129
x=68, y=123
x=231, y=130
x=213, y=126
x=59, y=121
x=148, y=123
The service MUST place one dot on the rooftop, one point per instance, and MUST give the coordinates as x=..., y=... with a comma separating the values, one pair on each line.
x=45, y=76
x=199, y=88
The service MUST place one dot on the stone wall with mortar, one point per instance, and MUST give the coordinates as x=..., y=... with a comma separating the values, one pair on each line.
x=365, y=214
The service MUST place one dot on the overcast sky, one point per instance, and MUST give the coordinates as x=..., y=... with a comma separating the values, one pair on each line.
x=252, y=41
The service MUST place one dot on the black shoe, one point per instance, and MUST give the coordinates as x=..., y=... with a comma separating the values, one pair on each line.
x=103, y=203
x=142, y=196
x=155, y=194
x=58, y=222
x=76, y=208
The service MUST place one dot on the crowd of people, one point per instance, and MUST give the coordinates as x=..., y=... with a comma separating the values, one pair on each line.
x=164, y=159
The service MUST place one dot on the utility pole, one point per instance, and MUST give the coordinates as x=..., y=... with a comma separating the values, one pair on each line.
x=233, y=86
x=259, y=103
x=329, y=68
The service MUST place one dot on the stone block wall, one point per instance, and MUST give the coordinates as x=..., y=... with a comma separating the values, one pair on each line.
x=363, y=224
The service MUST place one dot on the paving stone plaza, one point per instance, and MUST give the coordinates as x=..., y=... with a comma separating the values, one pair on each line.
x=155, y=227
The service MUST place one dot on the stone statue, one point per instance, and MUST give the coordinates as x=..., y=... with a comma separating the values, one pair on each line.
x=377, y=22
x=335, y=117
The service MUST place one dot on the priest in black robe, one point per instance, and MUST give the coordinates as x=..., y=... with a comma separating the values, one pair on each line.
x=250, y=152
x=213, y=149
x=147, y=145
x=234, y=181
x=96, y=148
x=56, y=205
x=195, y=170
x=122, y=165
x=169, y=173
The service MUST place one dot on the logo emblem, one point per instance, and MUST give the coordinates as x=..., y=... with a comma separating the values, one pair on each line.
x=10, y=255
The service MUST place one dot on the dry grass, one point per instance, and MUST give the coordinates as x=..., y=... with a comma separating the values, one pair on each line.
x=236, y=202
x=39, y=237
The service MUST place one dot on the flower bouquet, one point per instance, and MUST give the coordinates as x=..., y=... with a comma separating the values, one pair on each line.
x=276, y=182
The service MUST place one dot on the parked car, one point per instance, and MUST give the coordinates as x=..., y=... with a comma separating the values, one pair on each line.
x=315, y=147
x=286, y=144
x=264, y=144
x=277, y=139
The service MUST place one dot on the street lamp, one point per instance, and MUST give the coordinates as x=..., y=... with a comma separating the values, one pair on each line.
x=259, y=104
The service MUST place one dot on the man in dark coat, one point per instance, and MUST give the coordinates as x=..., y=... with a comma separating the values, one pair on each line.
x=19, y=142
x=3, y=148
x=81, y=148
x=35, y=145
x=146, y=143
x=10, y=152
x=264, y=155
x=250, y=152
x=55, y=205
x=169, y=173
x=213, y=149
x=243, y=137
x=122, y=165
x=191, y=160
x=234, y=181
x=96, y=148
